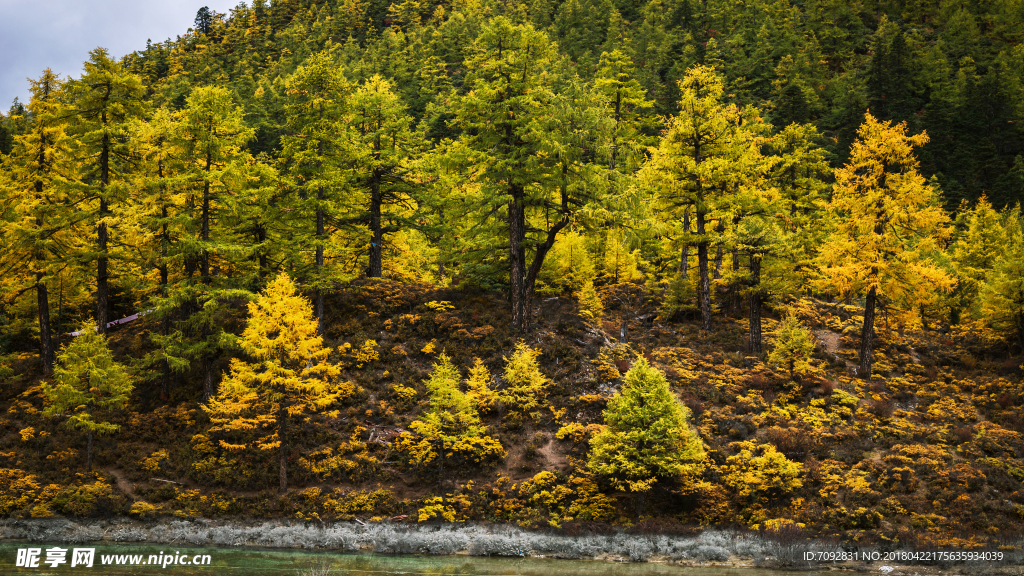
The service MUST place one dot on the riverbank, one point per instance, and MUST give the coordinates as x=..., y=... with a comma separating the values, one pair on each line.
x=708, y=548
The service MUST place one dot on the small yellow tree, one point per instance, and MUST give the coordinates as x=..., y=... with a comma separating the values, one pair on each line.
x=450, y=431
x=288, y=373
x=889, y=225
x=647, y=436
x=480, y=387
x=590, y=303
x=525, y=385
x=794, y=346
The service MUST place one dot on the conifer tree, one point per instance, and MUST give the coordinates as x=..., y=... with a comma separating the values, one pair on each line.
x=700, y=159
x=314, y=153
x=382, y=148
x=781, y=219
x=590, y=304
x=42, y=230
x=627, y=100
x=450, y=430
x=509, y=116
x=981, y=238
x=286, y=375
x=1002, y=295
x=793, y=349
x=480, y=387
x=525, y=385
x=106, y=100
x=212, y=164
x=87, y=385
x=888, y=228
x=647, y=438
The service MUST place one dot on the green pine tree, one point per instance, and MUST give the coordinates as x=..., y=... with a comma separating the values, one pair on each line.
x=88, y=384
x=647, y=437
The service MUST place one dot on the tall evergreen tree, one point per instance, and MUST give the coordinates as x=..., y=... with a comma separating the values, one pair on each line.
x=210, y=136
x=314, y=153
x=40, y=233
x=700, y=159
x=508, y=114
x=888, y=228
x=105, y=101
x=382, y=146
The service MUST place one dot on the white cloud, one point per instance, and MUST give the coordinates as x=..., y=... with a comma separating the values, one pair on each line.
x=58, y=34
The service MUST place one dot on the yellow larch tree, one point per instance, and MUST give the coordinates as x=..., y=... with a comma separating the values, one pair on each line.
x=888, y=226
x=287, y=374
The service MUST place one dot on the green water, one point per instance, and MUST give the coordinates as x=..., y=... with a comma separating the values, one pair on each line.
x=264, y=562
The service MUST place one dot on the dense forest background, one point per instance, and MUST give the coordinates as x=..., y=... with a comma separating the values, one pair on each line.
x=801, y=218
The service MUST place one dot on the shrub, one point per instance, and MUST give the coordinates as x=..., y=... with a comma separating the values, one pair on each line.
x=450, y=431
x=647, y=437
x=17, y=489
x=142, y=509
x=759, y=471
x=794, y=346
x=525, y=385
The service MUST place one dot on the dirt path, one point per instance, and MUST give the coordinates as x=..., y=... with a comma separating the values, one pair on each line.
x=552, y=455
x=122, y=483
x=829, y=339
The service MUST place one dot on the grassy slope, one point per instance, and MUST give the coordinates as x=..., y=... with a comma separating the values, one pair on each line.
x=928, y=452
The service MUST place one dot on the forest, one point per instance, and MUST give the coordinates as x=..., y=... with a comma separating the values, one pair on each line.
x=571, y=265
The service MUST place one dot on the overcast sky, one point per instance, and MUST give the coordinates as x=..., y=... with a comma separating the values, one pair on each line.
x=58, y=34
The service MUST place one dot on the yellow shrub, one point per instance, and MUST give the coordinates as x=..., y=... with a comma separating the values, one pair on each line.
x=759, y=470
x=142, y=509
x=17, y=489
x=403, y=395
x=152, y=464
x=435, y=508
x=367, y=353
x=347, y=505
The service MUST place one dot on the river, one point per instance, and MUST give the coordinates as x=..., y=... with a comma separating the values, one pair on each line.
x=145, y=560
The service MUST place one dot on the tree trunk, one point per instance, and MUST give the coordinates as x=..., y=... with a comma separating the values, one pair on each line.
x=376, y=201
x=261, y=237
x=321, y=237
x=737, y=298
x=684, y=260
x=755, y=304
x=88, y=452
x=282, y=431
x=45, y=337
x=205, y=262
x=867, y=335
x=208, y=389
x=718, y=262
x=517, y=260
x=165, y=324
x=102, y=291
x=704, y=289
